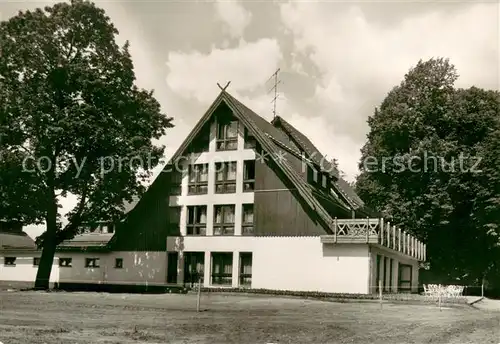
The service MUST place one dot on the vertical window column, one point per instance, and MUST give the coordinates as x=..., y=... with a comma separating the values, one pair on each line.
x=247, y=218
x=236, y=269
x=222, y=268
x=224, y=220
x=245, y=275
x=183, y=220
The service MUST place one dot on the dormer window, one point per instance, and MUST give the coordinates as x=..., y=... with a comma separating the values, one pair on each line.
x=324, y=181
x=227, y=135
x=312, y=175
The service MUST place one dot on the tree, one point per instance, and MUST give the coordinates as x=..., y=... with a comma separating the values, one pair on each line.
x=338, y=171
x=418, y=167
x=71, y=121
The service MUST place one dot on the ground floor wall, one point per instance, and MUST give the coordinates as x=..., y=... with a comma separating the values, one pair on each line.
x=114, y=268
x=23, y=267
x=119, y=268
x=393, y=271
x=278, y=263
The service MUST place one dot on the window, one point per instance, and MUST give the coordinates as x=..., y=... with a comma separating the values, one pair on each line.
x=172, y=267
x=9, y=261
x=225, y=177
x=118, y=263
x=312, y=175
x=107, y=228
x=65, y=262
x=377, y=278
x=198, y=179
x=227, y=135
x=384, y=278
x=84, y=229
x=36, y=261
x=175, y=183
x=249, y=175
x=245, y=268
x=250, y=142
x=201, y=143
x=91, y=262
x=390, y=274
x=324, y=181
x=247, y=216
x=224, y=220
x=174, y=220
x=194, y=267
x=222, y=268
x=405, y=278
x=197, y=220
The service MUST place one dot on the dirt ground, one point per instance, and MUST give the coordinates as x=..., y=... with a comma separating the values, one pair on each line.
x=56, y=318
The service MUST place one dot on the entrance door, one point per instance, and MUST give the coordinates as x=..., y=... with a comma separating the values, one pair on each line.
x=194, y=267
x=405, y=277
x=172, y=261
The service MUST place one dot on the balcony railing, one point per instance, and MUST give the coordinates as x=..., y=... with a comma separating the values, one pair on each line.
x=375, y=231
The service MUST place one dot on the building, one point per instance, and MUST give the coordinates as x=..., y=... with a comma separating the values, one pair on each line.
x=247, y=203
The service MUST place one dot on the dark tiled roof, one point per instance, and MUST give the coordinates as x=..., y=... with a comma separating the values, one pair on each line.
x=97, y=239
x=88, y=239
x=266, y=135
x=86, y=242
x=311, y=151
x=16, y=241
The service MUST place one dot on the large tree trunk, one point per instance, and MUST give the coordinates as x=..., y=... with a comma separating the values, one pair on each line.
x=49, y=244
x=45, y=267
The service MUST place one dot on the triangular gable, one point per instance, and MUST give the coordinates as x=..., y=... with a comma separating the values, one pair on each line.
x=248, y=118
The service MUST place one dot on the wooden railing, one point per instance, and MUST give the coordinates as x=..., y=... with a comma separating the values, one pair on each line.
x=376, y=231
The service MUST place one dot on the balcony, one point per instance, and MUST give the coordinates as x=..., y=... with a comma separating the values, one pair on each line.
x=375, y=231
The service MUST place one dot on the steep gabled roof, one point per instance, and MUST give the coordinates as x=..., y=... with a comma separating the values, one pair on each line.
x=270, y=139
x=97, y=239
x=16, y=241
x=342, y=186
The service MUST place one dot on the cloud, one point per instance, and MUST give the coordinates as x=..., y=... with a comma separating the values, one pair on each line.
x=248, y=66
x=235, y=17
x=359, y=61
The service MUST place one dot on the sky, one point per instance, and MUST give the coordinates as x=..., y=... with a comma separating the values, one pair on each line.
x=337, y=59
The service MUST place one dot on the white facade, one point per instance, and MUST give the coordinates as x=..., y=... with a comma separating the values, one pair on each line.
x=286, y=263
x=137, y=268
x=296, y=263
x=24, y=268
x=279, y=263
x=212, y=157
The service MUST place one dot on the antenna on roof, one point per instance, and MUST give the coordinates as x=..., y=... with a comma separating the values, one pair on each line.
x=275, y=89
x=224, y=88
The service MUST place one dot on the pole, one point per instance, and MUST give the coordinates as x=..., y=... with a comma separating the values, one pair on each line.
x=380, y=292
x=199, y=295
x=482, y=289
x=439, y=299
